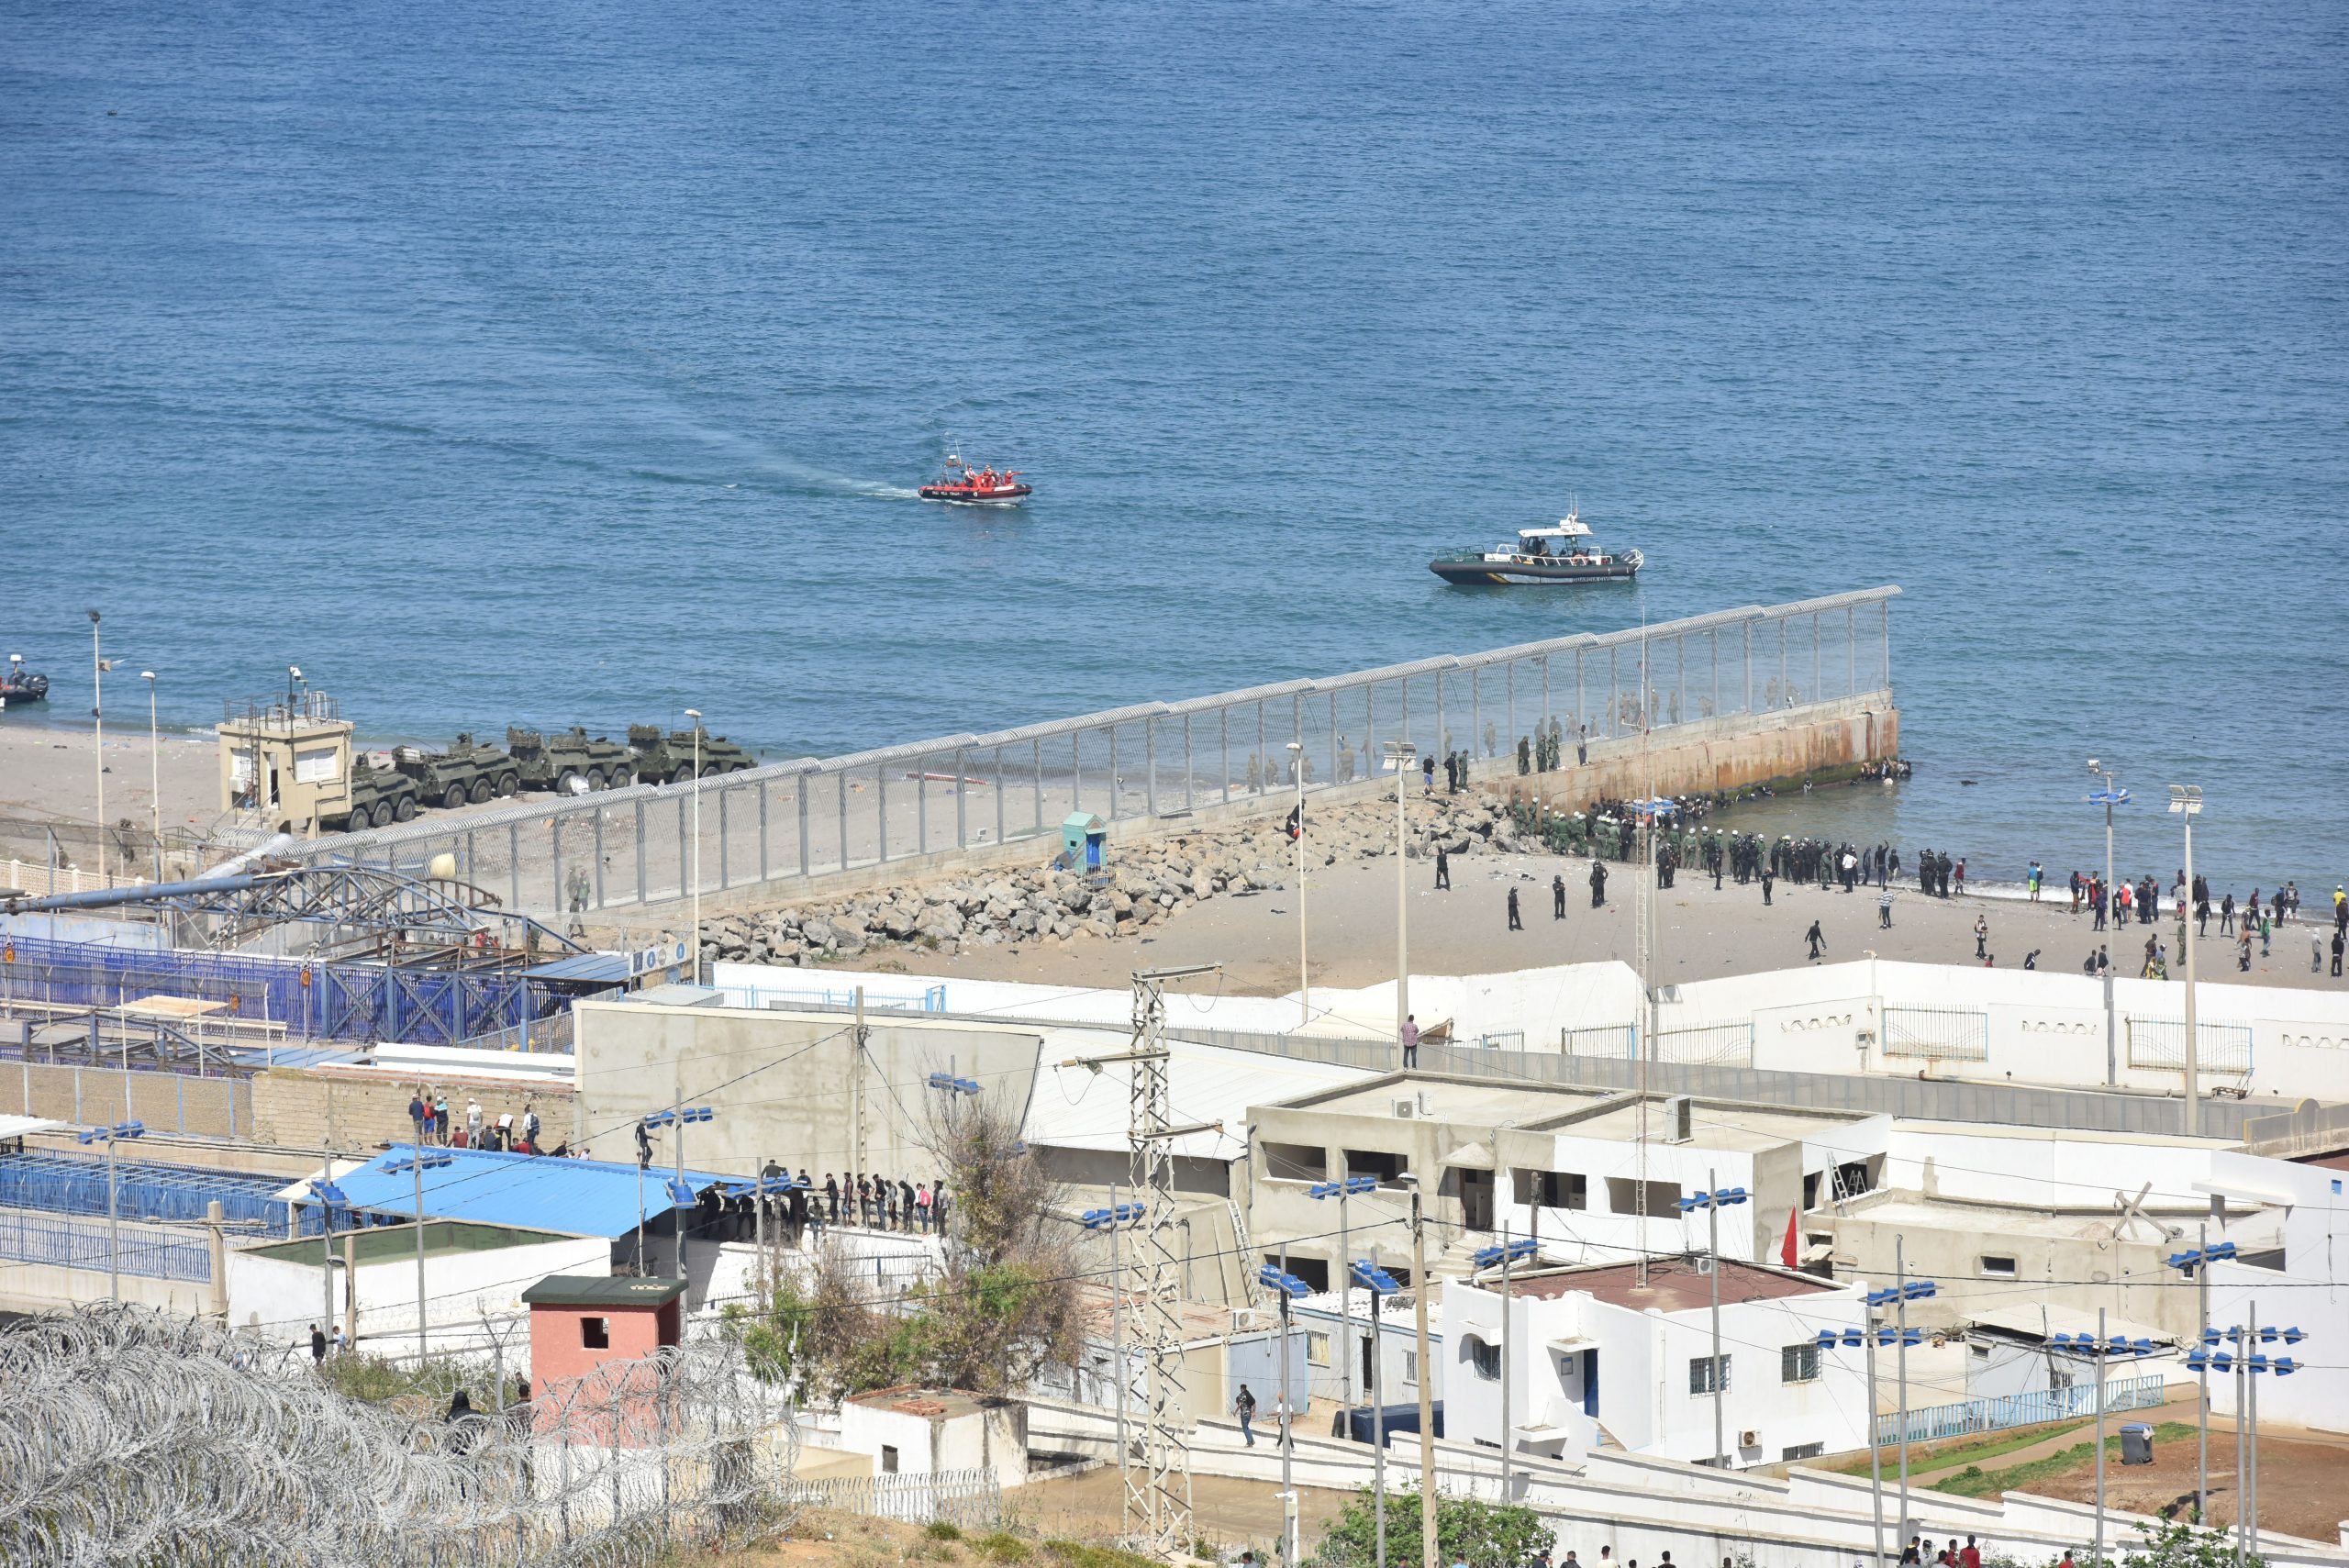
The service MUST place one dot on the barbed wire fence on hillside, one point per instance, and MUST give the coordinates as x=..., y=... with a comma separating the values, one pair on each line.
x=139, y=1436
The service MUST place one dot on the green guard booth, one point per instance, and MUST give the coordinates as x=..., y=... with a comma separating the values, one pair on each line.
x=1082, y=836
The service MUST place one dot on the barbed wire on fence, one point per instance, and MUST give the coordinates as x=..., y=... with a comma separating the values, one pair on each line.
x=141, y=1436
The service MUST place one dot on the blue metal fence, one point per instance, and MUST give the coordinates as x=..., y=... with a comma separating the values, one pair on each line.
x=345, y=1000
x=67, y=1184
x=82, y=1244
x=2023, y=1409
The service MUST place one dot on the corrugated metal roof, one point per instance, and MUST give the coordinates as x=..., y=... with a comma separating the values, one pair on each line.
x=586, y=1290
x=19, y=1126
x=584, y=968
x=539, y=1192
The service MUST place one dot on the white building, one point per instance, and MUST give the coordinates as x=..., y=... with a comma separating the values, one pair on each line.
x=1598, y=1357
x=930, y=1431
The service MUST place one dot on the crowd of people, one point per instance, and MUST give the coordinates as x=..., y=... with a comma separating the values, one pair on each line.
x=509, y=1132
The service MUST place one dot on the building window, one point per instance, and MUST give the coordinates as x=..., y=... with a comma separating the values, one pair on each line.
x=1485, y=1357
x=1553, y=1189
x=596, y=1333
x=1623, y=1197
x=1994, y=1267
x=1317, y=1349
x=1411, y=1367
x=1378, y=1163
x=888, y=1460
x=1708, y=1374
x=1801, y=1450
x=1295, y=1162
x=1799, y=1363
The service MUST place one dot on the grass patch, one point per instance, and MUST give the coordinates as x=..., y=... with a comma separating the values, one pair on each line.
x=1001, y=1546
x=1975, y=1482
x=1968, y=1452
x=943, y=1529
x=1079, y=1555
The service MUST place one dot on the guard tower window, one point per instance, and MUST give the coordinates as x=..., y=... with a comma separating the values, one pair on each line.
x=1998, y=1267
x=596, y=1333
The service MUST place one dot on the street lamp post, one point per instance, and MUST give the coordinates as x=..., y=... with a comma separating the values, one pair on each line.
x=1427, y=1372
x=1398, y=762
x=681, y=1192
x=1341, y=1189
x=2108, y=796
x=2185, y=801
x=419, y=1160
x=1286, y=1287
x=1381, y=1285
x=1897, y=1297
x=330, y=1197
x=2102, y=1348
x=154, y=770
x=2197, y=1262
x=1506, y=1253
x=694, y=714
x=1712, y=1201
x=1114, y=1219
x=110, y=1135
x=2247, y=1362
x=1875, y=1334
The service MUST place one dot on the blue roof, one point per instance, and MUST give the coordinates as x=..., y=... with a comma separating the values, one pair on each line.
x=535, y=1192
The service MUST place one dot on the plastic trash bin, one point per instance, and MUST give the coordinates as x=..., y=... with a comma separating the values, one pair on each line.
x=2136, y=1444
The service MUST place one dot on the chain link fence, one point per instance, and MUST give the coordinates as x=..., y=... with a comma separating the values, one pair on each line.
x=817, y=817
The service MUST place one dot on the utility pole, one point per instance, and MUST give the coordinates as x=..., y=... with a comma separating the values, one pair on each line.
x=694, y=714
x=1901, y=1352
x=322, y=1186
x=2097, y=1556
x=856, y=1091
x=2111, y=796
x=2203, y=1373
x=1289, y=1448
x=99, y=739
x=1509, y=1441
x=1875, y=1440
x=1713, y=1245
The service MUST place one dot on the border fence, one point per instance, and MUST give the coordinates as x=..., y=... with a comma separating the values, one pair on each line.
x=970, y=1499
x=1964, y=1415
x=814, y=816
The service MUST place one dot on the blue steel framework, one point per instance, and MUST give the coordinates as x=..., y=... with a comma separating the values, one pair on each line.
x=342, y=999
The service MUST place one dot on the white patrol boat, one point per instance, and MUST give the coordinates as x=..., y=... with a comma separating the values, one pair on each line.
x=1563, y=553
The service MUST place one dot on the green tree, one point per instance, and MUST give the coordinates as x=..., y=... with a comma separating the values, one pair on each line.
x=1467, y=1530
x=2180, y=1545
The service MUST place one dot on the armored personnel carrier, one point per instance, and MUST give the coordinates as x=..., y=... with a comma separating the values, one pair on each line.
x=570, y=763
x=466, y=772
x=379, y=797
x=669, y=758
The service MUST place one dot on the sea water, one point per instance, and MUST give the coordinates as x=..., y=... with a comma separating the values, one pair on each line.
x=574, y=363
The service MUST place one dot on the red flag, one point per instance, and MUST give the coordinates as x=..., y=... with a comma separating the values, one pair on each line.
x=1786, y=1254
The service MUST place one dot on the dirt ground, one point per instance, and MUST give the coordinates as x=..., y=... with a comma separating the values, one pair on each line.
x=2303, y=1484
x=1225, y=1511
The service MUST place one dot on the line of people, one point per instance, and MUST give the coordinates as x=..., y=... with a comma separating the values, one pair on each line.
x=509, y=1133
x=879, y=1203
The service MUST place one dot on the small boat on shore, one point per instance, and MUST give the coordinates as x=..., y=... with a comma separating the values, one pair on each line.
x=967, y=486
x=20, y=687
x=1564, y=552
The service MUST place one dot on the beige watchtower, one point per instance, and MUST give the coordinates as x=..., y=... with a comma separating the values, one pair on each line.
x=286, y=761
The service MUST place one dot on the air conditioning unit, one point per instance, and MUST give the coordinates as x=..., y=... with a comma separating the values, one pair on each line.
x=1749, y=1439
x=1405, y=1108
x=1679, y=1115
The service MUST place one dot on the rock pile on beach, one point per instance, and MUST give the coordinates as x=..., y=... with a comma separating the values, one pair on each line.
x=1146, y=881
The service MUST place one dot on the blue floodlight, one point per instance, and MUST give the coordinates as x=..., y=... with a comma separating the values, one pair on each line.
x=2110, y=797
x=1351, y=1184
x=950, y=1084
x=110, y=1134
x=681, y=1192
x=1373, y=1278
x=697, y=1113
x=328, y=1193
x=1109, y=1219
x=1490, y=1257
x=1290, y=1286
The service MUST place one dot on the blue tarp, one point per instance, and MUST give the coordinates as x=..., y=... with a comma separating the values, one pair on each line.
x=534, y=1192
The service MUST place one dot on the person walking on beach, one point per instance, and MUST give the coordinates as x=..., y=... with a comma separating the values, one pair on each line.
x=1884, y=910
x=1959, y=884
x=2227, y=915
x=1599, y=884
x=1558, y=897
x=1514, y=923
x=1768, y=877
x=2267, y=929
x=2033, y=882
x=1443, y=870
x=1817, y=939
x=2243, y=945
x=1981, y=936
x=2339, y=941
x=1582, y=744
x=2096, y=901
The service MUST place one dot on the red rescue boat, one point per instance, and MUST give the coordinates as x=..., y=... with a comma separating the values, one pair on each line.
x=971, y=487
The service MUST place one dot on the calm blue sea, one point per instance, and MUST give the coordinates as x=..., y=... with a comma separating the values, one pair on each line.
x=573, y=361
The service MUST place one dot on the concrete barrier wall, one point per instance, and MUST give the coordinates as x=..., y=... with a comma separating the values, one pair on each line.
x=166, y=1102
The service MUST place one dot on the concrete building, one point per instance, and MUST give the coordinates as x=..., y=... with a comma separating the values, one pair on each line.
x=596, y=1331
x=470, y=1271
x=930, y=1431
x=1567, y=1166
x=1601, y=1356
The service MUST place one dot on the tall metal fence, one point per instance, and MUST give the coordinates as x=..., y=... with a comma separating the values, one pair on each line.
x=813, y=816
x=1967, y=1416
x=972, y=1499
x=82, y=1244
x=1938, y=1034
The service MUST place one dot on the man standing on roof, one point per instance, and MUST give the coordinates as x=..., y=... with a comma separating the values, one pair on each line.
x=473, y=1123
x=417, y=1112
x=1410, y=1035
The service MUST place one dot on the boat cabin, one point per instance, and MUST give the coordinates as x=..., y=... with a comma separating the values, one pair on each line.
x=1560, y=543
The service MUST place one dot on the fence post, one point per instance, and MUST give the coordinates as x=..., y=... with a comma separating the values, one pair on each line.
x=599, y=854
x=881, y=809
x=961, y=800
x=1113, y=773
x=921, y=805
x=1817, y=668
x=765, y=862
x=1852, y=651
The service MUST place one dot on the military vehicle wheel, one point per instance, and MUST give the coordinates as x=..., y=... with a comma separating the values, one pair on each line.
x=594, y=778
x=404, y=811
x=482, y=791
x=623, y=776
x=568, y=782
x=710, y=770
x=455, y=797
x=739, y=768
x=507, y=784
x=685, y=774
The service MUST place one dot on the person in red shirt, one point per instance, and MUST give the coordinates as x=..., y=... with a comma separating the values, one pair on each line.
x=1969, y=1556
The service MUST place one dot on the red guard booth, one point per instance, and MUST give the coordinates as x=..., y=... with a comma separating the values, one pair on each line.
x=590, y=1335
